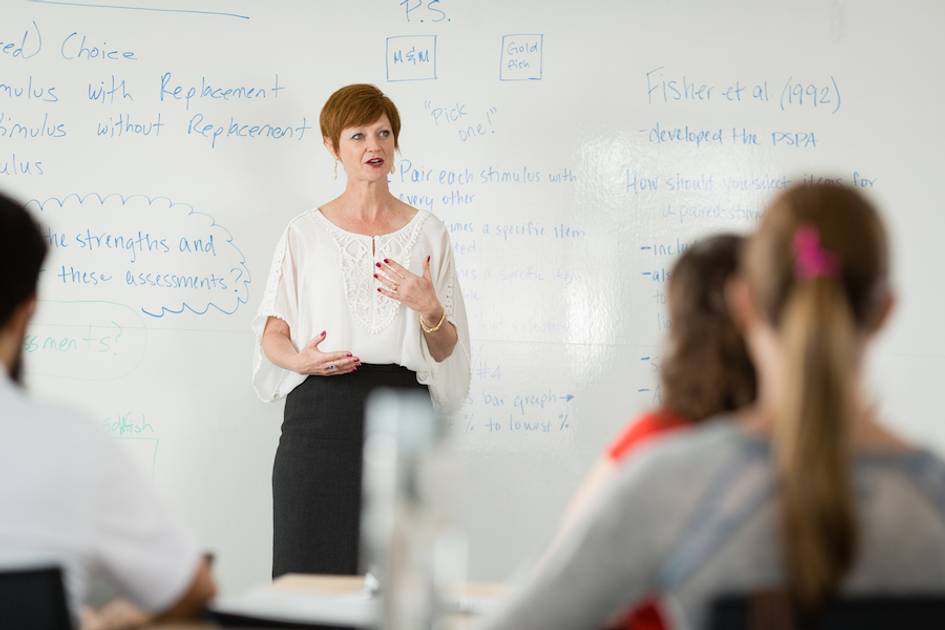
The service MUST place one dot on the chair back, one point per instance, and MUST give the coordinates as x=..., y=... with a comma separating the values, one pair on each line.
x=772, y=610
x=34, y=599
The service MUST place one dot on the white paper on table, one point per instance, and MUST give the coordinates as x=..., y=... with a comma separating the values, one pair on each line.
x=267, y=603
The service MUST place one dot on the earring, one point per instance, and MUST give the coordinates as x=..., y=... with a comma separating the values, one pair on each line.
x=392, y=166
x=336, y=169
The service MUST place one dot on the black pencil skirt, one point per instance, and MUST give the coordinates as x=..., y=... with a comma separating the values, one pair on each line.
x=316, y=477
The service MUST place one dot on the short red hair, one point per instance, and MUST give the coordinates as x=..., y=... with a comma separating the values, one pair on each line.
x=353, y=105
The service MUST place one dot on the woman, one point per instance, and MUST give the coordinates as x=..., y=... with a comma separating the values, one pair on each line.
x=362, y=294
x=806, y=492
x=705, y=371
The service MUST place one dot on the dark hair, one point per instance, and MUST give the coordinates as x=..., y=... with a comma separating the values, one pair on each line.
x=818, y=317
x=705, y=369
x=357, y=104
x=22, y=251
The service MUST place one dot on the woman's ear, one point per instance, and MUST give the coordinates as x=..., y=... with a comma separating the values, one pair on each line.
x=329, y=146
x=740, y=306
x=884, y=310
x=20, y=319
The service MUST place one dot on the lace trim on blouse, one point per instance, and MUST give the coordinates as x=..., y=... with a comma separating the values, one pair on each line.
x=374, y=310
x=447, y=299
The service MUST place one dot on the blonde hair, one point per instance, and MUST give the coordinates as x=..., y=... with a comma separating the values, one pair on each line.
x=818, y=319
x=353, y=105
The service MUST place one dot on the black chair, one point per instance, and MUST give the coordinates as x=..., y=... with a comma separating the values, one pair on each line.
x=772, y=610
x=34, y=599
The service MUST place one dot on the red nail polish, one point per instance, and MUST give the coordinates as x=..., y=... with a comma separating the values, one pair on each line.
x=323, y=333
x=377, y=265
x=375, y=275
x=378, y=289
x=349, y=354
x=428, y=259
x=387, y=260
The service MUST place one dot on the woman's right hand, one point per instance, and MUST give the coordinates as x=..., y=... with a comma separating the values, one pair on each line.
x=312, y=361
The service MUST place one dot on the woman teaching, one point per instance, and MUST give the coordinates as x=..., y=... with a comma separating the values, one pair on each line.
x=362, y=293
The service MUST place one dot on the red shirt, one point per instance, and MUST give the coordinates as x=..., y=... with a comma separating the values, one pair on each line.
x=645, y=427
x=646, y=615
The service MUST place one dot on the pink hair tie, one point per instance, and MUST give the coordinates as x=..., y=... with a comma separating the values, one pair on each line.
x=811, y=260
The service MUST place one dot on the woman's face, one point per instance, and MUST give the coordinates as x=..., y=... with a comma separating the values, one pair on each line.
x=366, y=151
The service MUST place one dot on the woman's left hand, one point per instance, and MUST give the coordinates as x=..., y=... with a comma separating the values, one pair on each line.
x=416, y=292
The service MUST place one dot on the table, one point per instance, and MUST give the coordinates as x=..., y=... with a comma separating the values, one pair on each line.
x=343, y=584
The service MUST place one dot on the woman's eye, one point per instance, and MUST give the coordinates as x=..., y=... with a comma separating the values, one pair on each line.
x=385, y=133
x=357, y=136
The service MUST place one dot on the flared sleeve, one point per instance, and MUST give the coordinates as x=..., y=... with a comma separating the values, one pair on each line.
x=449, y=379
x=281, y=299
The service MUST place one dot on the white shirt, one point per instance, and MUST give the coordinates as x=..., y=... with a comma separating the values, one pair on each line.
x=69, y=497
x=322, y=278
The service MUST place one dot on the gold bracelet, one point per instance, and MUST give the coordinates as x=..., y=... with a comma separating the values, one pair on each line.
x=434, y=328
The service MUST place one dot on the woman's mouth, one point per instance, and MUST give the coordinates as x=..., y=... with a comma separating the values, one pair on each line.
x=375, y=162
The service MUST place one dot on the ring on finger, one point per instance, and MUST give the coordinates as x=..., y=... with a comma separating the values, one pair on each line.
x=331, y=366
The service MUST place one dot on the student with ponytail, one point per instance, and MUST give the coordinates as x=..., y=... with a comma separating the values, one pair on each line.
x=816, y=276
x=806, y=492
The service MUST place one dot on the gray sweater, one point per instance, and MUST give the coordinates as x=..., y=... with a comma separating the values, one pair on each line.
x=695, y=515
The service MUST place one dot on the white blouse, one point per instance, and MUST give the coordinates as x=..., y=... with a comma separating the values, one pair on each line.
x=322, y=278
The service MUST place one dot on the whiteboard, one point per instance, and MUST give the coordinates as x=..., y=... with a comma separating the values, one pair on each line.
x=571, y=148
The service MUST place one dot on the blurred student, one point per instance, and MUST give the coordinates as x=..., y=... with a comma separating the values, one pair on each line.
x=704, y=371
x=806, y=492
x=67, y=495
